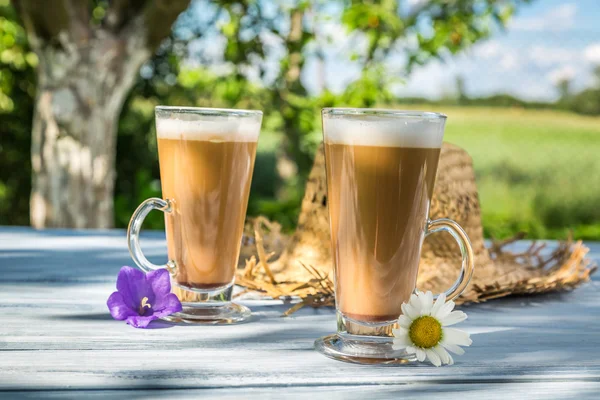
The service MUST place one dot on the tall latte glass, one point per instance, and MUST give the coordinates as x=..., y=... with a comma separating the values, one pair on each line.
x=206, y=161
x=381, y=167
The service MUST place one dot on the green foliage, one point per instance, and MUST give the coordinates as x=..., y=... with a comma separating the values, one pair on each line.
x=17, y=90
x=585, y=102
x=535, y=169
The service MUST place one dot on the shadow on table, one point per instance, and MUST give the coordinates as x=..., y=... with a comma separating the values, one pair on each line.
x=104, y=316
x=83, y=317
x=67, y=266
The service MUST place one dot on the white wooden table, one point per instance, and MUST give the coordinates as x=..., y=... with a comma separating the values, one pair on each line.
x=57, y=339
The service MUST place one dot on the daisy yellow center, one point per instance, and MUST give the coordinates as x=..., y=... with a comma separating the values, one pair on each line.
x=425, y=332
x=144, y=304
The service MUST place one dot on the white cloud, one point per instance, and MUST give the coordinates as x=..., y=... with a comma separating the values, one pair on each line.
x=334, y=31
x=567, y=72
x=414, y=5
x=560, y=18
x=431, y=80
x=488, y=49
x=509, y=62
x=592, y=53
x=546, y=56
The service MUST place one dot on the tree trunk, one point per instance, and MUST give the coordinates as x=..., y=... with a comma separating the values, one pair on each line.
x=80, y=94
x=291, y=70
x=86, y=70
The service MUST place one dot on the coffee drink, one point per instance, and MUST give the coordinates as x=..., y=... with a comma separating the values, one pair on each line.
x=206, y=169
x=381, y=167
x=380, y=177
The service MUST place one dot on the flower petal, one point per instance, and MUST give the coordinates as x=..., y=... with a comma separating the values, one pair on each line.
x=450, y=359
x=400, y=332
x=167, y=305
x=453, y=348
x=421, y=355
x=433, y=357
x=414, y=301
x=456, y=336
x=411, y=350
x=132, y=284
x=441, y=351
x=409, y=311
x=160, y=282
x=454, y=318
x=445, y=310
x=118, y=308
x=426, y=300
x=404, y=321
x=438, y=304
x=138, y=321
x=401, y=342
x=402, y=335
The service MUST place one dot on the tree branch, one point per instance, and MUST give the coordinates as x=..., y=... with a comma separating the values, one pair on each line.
x=43, y=20
x=79, y=16
x=155, y=17
x=120, y=12
x=159, y=15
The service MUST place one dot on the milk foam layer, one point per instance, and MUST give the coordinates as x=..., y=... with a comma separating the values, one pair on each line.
x=204, y=127
x=384, y=131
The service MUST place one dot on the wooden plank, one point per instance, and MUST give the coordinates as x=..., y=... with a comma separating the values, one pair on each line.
x=62, y=337
x=56, y=333
x=59, y=255
x=488, y=391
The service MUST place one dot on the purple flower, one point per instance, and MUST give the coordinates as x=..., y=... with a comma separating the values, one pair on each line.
x=141, y=298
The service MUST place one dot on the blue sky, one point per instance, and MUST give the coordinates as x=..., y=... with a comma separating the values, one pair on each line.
x=545, y=41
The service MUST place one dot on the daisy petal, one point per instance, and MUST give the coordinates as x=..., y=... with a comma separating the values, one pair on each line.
x=453, y=348
x=437, y=305
x=402, y=339
x=456, y=336
x=411, y=350
x=454, y=318
x=445, y=310
x=451, y=360
x=414, y=301
x=441, y=351
x=433, y=357
x=421, y=355
x=409, y=311
x=400, y=332
x=400, y=343
x=426, y=300
x=404, y=321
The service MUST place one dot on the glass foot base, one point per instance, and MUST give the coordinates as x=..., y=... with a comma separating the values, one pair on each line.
x=368, y=350
x=210, y=314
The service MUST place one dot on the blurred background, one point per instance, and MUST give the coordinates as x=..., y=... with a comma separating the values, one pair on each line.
x=79, y=79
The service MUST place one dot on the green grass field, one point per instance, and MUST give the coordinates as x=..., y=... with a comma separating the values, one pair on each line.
x=537, y=171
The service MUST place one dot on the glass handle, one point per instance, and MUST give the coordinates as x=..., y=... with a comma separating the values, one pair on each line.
x=133, y=234
x=468, y=265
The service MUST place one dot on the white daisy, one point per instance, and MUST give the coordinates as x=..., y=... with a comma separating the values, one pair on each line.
x=423, y=329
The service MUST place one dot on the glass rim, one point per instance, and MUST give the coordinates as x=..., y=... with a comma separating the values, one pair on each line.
x=230, y=112
x=384, y=112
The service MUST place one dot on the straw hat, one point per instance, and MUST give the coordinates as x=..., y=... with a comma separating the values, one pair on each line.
x=305, y=257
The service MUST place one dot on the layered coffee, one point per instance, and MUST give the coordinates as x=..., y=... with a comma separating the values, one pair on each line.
x=380, y=178
x=206, y=169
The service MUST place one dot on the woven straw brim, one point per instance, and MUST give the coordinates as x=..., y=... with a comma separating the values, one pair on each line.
x=303, y=264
